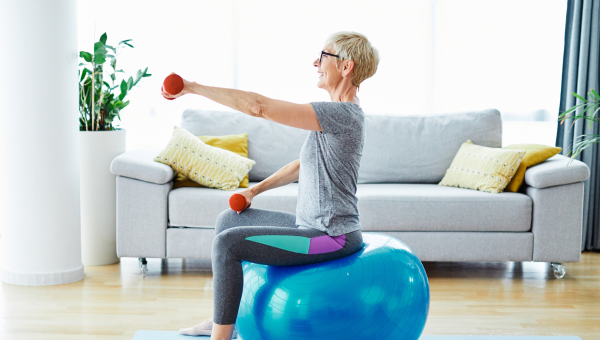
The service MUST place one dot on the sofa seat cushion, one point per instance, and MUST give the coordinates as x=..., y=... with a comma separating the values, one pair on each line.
x=382, y=207
x=431, y=207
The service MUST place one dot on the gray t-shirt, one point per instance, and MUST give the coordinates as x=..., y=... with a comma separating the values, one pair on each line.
x=329, y=162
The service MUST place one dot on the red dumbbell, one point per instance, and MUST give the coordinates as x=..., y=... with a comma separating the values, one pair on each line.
x=237, y=202
x=161, y=88
x=173, y=84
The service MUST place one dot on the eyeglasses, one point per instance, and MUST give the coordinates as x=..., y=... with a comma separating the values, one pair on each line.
x=323, y=52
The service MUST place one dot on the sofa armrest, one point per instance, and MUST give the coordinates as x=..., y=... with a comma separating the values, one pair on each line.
x=140, y=164
x=556, y=223
x=142, y=218
x=554, y=171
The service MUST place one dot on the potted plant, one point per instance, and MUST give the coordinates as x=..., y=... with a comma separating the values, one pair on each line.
x=592, y=107
x=100, y=142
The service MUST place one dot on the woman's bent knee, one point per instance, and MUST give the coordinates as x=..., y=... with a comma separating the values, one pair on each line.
x=224, y=242
x=225, y=220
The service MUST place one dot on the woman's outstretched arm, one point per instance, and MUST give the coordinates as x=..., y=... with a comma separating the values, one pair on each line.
x=300, y=116
x=296, y=115
x=284, y=176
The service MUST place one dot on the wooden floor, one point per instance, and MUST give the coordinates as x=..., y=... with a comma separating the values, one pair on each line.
x=112, y=302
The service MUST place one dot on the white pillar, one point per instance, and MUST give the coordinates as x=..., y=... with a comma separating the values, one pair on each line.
x=41, y=236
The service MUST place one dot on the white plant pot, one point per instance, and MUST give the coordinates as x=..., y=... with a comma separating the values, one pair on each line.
x=98, y=196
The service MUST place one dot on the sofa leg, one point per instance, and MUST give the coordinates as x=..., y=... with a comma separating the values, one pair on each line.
x=143, y=266
x=559, y=270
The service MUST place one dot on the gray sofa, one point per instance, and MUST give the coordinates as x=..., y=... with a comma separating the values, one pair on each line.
x=404, y=157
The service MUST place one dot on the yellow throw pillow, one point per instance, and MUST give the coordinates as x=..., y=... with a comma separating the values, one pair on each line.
x=534, y=154
x=233, y=143
x=482, y=168
x=207, y=165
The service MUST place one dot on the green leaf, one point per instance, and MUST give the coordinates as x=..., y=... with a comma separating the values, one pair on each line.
x=130, y=83
x=107, y=84
x=595, y=94
x=103, y=38
x=590, y=109
x=124, y=41
x=99, y=48
x=86, y=55
x=123, y=90
x=120, y=71
x=594, y=115
x=147, y=75
x=572, y=109
x=85, y=71
x=128, y=45
x=113, y=77
x=82, y=64
x=99, y=59
x=578, y=96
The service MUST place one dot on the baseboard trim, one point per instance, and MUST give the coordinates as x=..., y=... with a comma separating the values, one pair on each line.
x=44, y=279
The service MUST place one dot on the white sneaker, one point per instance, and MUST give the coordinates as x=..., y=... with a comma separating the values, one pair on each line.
x=204, y=328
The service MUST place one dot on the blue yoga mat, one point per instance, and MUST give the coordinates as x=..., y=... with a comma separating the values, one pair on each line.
x=169, y=335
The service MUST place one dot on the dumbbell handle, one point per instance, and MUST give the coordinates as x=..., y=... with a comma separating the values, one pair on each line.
x=237, y=202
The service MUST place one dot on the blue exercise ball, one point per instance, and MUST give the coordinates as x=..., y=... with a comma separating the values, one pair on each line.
x=380, y=292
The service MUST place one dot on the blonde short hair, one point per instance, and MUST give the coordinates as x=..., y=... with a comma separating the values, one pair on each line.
x=356, y=47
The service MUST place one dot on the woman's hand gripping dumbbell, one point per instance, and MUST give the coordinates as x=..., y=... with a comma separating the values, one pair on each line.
x=240, y=201
x=174, y=87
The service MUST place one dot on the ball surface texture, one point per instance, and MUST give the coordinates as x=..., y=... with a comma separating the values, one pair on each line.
x=380, y=292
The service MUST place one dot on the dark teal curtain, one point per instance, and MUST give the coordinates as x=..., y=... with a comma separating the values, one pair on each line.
x=581, y=67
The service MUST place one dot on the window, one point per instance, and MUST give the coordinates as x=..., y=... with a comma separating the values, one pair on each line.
x=437, y=56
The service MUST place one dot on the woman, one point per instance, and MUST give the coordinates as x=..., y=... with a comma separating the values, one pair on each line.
x=326, y=172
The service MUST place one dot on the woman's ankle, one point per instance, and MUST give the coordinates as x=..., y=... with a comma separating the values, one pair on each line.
x=222, y=332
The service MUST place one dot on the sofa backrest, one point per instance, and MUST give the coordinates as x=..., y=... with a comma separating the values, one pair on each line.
x=419, y=149
x=270, y=144
x=398, y=149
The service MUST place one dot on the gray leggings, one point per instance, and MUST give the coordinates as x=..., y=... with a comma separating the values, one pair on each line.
x=263, y=227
